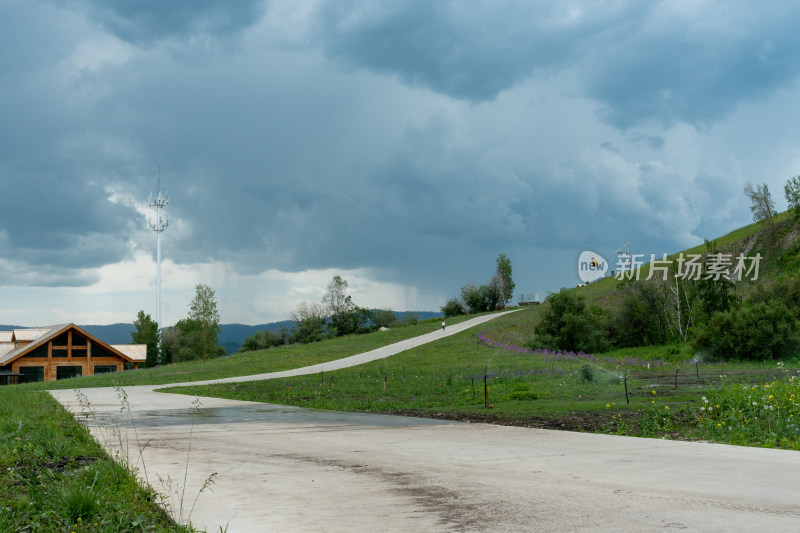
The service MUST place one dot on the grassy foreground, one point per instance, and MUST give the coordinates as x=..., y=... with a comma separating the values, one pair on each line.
x=55, y=477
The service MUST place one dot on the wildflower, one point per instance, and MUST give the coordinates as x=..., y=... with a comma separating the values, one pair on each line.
x=666, y=407
x=654, y=393
x=704, y=399
x=754, y=403
x=702, y=408
x=710, y=409
x=608, y=406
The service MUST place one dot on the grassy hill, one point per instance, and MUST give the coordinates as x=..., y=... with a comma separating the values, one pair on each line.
x=492, y=375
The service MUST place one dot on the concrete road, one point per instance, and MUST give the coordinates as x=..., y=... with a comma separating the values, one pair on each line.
x=288, y=469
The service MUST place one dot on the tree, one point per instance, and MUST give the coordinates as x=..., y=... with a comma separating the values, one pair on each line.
x=792, y=190
x=336, y=300
x=471, y=296
x=309, y=323
x=383, y=318
x=183, y=341
x=503, y=280
x=481, y=299
x=146, y=333
x=569, y=324
x=345, y=317
x=761, y=203
x=203, y=310
x=453, y=307
x=350, y=321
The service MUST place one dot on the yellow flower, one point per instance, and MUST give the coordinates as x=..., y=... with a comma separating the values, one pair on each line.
x=608, y=405
x=654, y=393
x=666, y=407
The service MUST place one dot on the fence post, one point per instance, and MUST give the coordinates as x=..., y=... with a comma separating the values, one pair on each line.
x=485, y=390
x=625, y=381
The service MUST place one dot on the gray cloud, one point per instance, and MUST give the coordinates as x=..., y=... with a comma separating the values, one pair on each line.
x=694, y=63
x=143, y=22
x=415, y=139
x=643, y=61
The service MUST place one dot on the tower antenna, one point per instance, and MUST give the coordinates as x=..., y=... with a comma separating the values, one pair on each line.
x=160, y=202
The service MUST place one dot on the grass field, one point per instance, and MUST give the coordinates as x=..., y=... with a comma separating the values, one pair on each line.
x=465, y=377
x=272, y=360
x=55, y=477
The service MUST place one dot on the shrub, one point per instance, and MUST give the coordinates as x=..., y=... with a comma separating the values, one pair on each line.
x=759, y=331
x=786, y=290
x=453, y=307
x=587, y=373
x=261, y=340
x=383, y=318
x=569, y=324
x=409, y=319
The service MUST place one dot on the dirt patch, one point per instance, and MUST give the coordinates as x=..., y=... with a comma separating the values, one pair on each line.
x=588, y=422
x=450, y=506
x=69, y=462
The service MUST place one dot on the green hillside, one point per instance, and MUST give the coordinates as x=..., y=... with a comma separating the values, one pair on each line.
x=498, y=374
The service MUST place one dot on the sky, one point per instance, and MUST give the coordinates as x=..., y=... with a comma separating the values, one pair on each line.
x=403, y=145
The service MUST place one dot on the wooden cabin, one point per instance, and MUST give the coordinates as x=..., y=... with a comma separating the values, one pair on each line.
x=63, y=351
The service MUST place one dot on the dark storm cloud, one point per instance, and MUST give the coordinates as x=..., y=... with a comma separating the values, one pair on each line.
x=60, y=220
x=142, y=22
x=313, y=156
x=695, y=66
x=642, y=60
x=471, y=51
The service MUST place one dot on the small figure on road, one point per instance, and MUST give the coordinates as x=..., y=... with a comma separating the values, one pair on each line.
x=443, y=325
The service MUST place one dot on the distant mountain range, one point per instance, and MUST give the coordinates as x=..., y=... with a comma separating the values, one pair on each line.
x=231, y=336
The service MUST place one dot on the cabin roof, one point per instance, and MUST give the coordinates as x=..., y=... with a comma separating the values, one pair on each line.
x=34, y=337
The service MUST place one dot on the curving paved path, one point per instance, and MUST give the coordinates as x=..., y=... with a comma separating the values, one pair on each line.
x=358, y=359
x=288, y=469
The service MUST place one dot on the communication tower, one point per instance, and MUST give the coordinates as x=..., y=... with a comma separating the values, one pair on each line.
x=160, y=202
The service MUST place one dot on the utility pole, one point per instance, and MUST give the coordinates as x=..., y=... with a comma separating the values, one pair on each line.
x=160, y=202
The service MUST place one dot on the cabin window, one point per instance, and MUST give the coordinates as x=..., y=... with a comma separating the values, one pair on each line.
x=99, y=351
x=31, y=374
x=64, y=372
x=104, y=369
x=78, y=351
x=59, y=352
x=78, y=341
x=39, y=351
